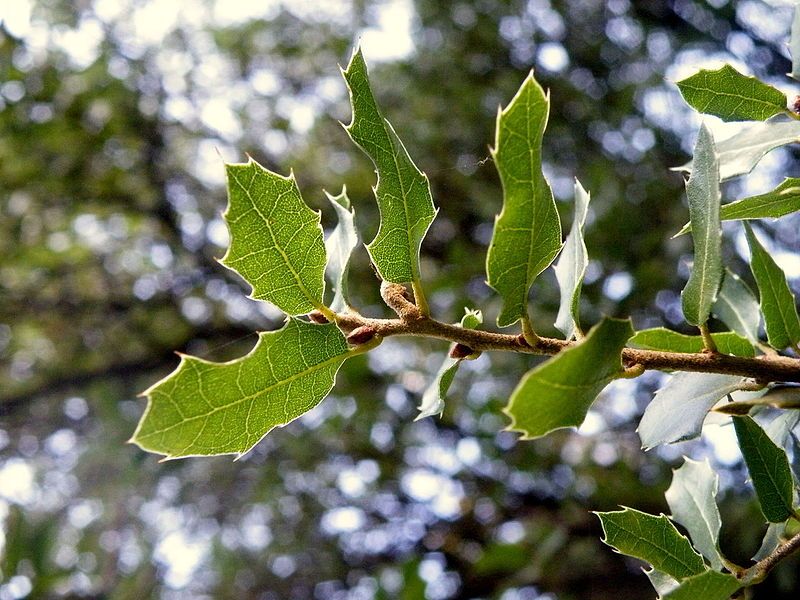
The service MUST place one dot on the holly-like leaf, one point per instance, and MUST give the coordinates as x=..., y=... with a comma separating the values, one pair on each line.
x=777, y=301
x=679, y=408
x=666, y=340
x=339, y=246
x=731, y=96
x=711, y=585
x=692, y=499
x=769, y=469
x=737, y=307
x=740, y=153
x=559, y=392
x=571, y=267
x=434, y=396
x=206, y=408
x=702, y=189
x=276, y=240
x=794, y=44
x=527, y=232
x=653, y=539
x=781, y=201
x=403, y=192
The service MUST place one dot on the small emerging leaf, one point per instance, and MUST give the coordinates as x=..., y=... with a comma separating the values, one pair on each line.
x=667, y=340
x=403, y=192
x=205, y=408
x=653, y=539
x=737, y=307
x=769, y=469
x=559, y=392
x=339, y=246
x=731, y=96
x=679, y=408
x=571, y=267
x=702, y=189
x=527, y=232
x=777, y=301
x=276, y=240
x=692, y=499
x=710, y=585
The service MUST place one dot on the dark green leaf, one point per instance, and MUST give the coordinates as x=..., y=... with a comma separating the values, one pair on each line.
x=667, y=340
x=710, y=585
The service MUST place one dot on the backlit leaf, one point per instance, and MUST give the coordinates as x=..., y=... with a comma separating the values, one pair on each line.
x=403, y=192
x=772, y=539
x=731, y=96
x=661, y=582
x=768, y=467
x=527, y=232
x=339, y=246
x=559, y=392
x=737, y=307
x=794, y=44
x=206, y=408
x=276, y=240
x=777, y=301
x=571, y=267
x=667, y=340
x=711, y=585
x=702, y=189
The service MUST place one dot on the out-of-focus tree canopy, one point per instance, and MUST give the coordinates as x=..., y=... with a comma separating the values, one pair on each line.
x=115, y=118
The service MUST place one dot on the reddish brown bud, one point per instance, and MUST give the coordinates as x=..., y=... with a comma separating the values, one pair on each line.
x=318, y=317
x=522, y=341
x=459, y=351
x=796, y=104
x=361, y=335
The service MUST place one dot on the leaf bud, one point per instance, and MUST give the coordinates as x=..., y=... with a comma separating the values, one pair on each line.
x=361, y=335
x=460, y=351
x=318, y=317
x=796, y=104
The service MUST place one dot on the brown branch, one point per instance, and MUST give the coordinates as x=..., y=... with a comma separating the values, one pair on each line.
x=761, y=569
x=764, y=369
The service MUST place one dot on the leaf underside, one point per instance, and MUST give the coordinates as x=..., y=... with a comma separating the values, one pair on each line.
x=571, y=267
x=339, y=246
x=737, y=307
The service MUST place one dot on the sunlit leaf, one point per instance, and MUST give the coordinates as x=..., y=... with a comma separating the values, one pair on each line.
x=679, y=408
x=571, y=267
x=777, y=301
x=711, y=585
x=403, y=192
x=667, y=340
x=702, y=190
x=339, y=246
x=559, y=392
x=768, y=467
x=692, y=499
x=731, y=96
x=653, y=539
x=794, y=44
x=737, y=307
x=206, y=408
x=527, y=233
x=276, y=240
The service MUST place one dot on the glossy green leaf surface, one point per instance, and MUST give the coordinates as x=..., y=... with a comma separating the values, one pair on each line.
x=667, y=340
x=737, y=307
x=692, y=499
x=768, y=467
x=276, y=240
x=403, y=192
x=731, y=96
x=711, y=585
x=527, y=232
x=339, y=246
x=571, y=267
x=653, y=539
x=204, y=408
x=679, y=408
x=702, y=190
x=559, y=392
x=777, y=301
x=781, y=201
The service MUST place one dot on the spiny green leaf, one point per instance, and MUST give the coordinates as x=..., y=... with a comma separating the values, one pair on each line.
x=571, y=267
x=783, y=200
x=206, y=408
x=740, y=153
x=666, y=340
x=559, y=392
x=737, y=307
x=777, y=301
x=731, y=96
x=692, y=499
x=434, y=396
x=702, y=189
x=710, y=585
x=679, y=408
x=527, y=232
x=276, y=240
x=403, y=192
x=794, y=44
x=653, y=539
x=768, y=467
x=339, y=246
